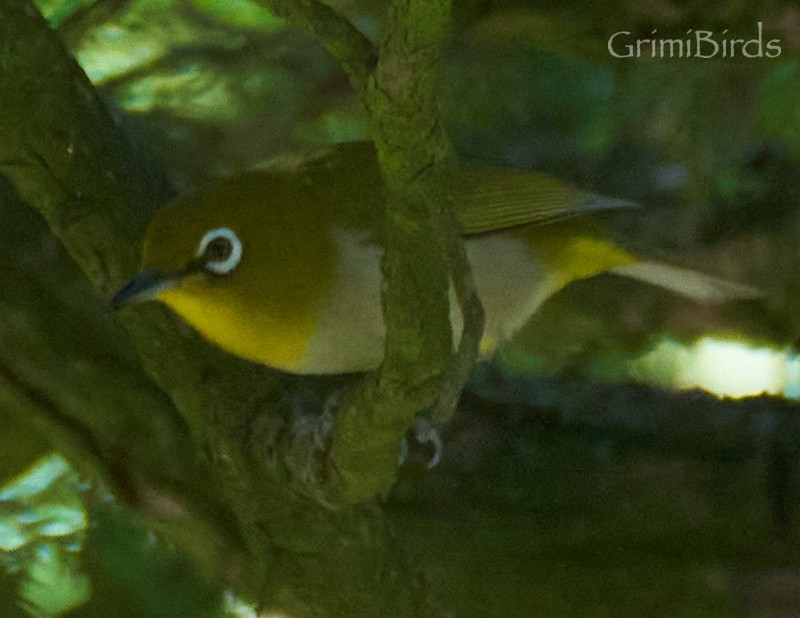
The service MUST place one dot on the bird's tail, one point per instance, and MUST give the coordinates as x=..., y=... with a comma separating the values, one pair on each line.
x=692, y=284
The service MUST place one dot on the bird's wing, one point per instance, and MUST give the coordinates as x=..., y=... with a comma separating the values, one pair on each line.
x=488, y=199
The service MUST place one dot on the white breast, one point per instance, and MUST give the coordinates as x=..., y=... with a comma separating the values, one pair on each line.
x=350, y=330
x=511, y=284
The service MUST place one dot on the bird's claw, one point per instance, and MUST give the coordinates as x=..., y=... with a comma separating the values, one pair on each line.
x=424, y=432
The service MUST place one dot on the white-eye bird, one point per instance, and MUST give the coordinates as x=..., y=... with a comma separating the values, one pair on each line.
x=282, y=266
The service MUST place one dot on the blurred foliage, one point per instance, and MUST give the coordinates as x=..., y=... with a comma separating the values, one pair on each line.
x=61, y=567
x=711, y=148
x=778, y=115
x=135, y=573
x=223, y=85
x=220, y=86
x=42, y=530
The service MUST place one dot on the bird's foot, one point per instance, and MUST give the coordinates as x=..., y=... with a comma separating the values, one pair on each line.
x=424, y=432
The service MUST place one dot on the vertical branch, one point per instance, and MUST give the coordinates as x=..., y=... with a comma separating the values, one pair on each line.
x=473, y=323
x=414, y=154
x=424, y=255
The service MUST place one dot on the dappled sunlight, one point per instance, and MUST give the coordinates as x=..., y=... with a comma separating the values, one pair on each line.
x=723, y=368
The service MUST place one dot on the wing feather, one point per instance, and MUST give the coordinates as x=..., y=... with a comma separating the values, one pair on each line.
x=488, y=199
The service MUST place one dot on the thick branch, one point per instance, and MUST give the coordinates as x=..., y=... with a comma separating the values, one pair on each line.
x=98, y=213
x=67, y=159
x=72, y=370
x=424, y=252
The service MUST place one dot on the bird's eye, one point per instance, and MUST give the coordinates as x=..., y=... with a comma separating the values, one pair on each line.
x=220, y=250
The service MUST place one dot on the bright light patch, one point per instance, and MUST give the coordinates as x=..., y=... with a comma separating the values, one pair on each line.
x=735, y=370
x=236, y=608
x=110, y=51
x=241, y=13
x=723, y=368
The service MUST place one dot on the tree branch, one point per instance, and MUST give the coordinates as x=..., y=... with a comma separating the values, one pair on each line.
x=472, y=329
x=424, y=252
x=342, y=39
x=68, y=160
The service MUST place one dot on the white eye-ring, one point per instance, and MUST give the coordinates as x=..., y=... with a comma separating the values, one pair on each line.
x=220, y=250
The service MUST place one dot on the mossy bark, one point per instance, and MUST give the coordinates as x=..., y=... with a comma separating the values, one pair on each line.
x=135, y=397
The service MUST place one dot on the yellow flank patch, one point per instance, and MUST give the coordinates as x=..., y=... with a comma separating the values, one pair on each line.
x=487, y=346
x=249, y=334
x=574, y=250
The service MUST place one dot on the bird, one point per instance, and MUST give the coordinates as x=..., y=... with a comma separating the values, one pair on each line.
x=281, y=265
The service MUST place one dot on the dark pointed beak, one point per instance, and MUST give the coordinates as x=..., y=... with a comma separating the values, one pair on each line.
x=147, y=285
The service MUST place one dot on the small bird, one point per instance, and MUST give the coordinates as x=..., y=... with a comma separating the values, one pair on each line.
x=282, y=265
